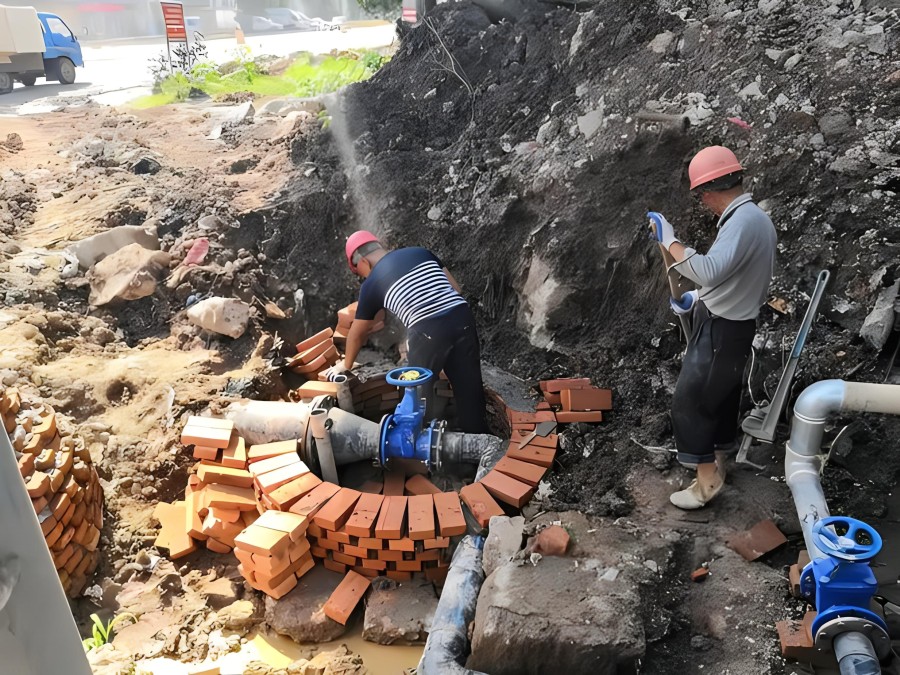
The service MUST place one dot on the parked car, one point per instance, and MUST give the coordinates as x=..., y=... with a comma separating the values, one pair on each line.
x=36, y=44
x=292, y=19
x=257, y=23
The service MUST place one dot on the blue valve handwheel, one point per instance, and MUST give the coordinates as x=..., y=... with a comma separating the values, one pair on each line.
x=857, y=543
x=393, y=377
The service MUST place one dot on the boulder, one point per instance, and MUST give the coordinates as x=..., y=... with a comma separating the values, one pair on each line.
x=529, y=616
x=299, y=614
x=503, y=541
x=399, y=614
x=227, y=316
x=877, y=327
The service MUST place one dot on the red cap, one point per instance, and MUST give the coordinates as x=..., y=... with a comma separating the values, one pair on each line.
x=354, y=241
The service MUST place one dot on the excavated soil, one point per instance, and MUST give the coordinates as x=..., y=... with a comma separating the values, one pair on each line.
x=525, y=154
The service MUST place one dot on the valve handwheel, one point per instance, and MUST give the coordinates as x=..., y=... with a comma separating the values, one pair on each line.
x=846, y=538
x=399, y=377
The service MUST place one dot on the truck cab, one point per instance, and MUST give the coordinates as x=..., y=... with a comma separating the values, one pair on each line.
x=36, y=44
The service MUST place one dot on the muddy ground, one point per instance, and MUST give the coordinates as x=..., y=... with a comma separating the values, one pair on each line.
x=525, y=154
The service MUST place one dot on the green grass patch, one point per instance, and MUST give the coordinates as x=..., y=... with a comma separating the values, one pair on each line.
x=305, y=76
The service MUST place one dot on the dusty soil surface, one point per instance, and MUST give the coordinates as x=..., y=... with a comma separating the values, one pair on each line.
x=525, y=154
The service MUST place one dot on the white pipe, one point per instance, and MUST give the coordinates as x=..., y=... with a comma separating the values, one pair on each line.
x=323, y=445
x=802, y=460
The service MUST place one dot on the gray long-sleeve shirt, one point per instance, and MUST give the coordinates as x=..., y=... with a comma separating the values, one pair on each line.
x=734, y=275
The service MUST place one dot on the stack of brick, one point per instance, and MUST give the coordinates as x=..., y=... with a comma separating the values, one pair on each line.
x=280, y=477
x=404, y=531
x=63, y=485
x=219, y=500
x=374, y=397
x=578, y=400
x=345, y=318
x=315, y=355
x=274, y=552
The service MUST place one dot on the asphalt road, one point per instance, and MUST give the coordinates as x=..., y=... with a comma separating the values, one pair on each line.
x=115, y=73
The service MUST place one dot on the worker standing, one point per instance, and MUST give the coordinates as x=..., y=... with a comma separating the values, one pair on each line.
x=414, y=285
x=733, y=279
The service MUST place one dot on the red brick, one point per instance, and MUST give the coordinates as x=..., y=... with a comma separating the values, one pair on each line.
x=288, y=494
x=794, y=580
x=291, y=523
x=699, y=574
x=437, y=542
x=552, y=399
x=263, y=541
x=394, y=483
x=795, y=641
x=223, y=475
x=314, y=389
x=207, y=453
x=569, y=417
x=449, y=514
x=507, y=489
x=272, y=480
x=227, y=515
x=526, y=472
x=590, y=398
x=341, y=536
x=408, y=566
x=371, y=543
x=388, y=554
x=225, y=532
x=403, y=544
x=366, y=572
x=330, y=564
x=553, y=386
x=281, y=590
x=217, y=546
x=308, y=356
x=346, y=597
x=313, y=340
x=347, y=315
x=310, y=503
x=173, y=534
x=397, y=575
x=356, y=551
x=235, y=455
x=372, y=487
x=335, y=513
x=345, y=558
x=206, y=436
x=420, y=485
x=520, y=417
x=391, y=518
x=266, y=450
x=436, y=575
x=533, y=454
x=329, y=544
x=230, y=497
x=272, y=463
x=374, y=564
x=481, y=505
x=362, y=521
x=421, y=517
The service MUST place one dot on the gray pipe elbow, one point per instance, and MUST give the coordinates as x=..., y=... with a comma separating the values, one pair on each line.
x=820, y=400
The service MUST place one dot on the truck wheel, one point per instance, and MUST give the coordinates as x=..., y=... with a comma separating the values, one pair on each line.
x=28, y=80
x=66, y=70
x=6, y=83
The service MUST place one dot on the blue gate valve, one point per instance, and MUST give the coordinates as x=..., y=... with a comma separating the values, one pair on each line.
x=403, y=434
x=841, y=585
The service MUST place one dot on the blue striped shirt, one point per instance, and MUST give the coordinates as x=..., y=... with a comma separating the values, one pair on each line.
x=411, y=284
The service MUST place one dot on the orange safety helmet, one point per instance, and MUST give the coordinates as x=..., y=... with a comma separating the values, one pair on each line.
x=712, y=163
x=354, y=242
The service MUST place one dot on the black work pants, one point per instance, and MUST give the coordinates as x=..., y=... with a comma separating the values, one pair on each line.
x=449, y=342
x=708, y=393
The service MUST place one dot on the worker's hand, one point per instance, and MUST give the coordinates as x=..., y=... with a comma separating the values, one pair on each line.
x=335, y=372
x=686, y=304
x=662, y=229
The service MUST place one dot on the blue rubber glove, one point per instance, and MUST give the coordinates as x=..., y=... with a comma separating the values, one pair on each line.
x=665, y=234
x=686, y=304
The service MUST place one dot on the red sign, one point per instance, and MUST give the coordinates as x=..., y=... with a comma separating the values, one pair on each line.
x=173, y=16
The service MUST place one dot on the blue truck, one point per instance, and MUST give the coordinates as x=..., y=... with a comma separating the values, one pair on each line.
x=36, y=44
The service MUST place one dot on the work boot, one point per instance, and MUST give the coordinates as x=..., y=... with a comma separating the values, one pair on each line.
x=701, y=490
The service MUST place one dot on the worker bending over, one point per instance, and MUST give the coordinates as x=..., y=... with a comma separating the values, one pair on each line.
x=733, y=280
x=414, y=285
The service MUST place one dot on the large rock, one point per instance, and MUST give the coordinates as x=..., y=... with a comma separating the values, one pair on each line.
x=400, y=614
x=530, y=616
x=93, y=249
x=877, y=327
x=299, y=614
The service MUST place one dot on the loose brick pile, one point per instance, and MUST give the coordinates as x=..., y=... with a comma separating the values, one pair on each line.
x=314, y=355
x=345, y=318
x=278, y=517
x=63, y=485
x=577, y=399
